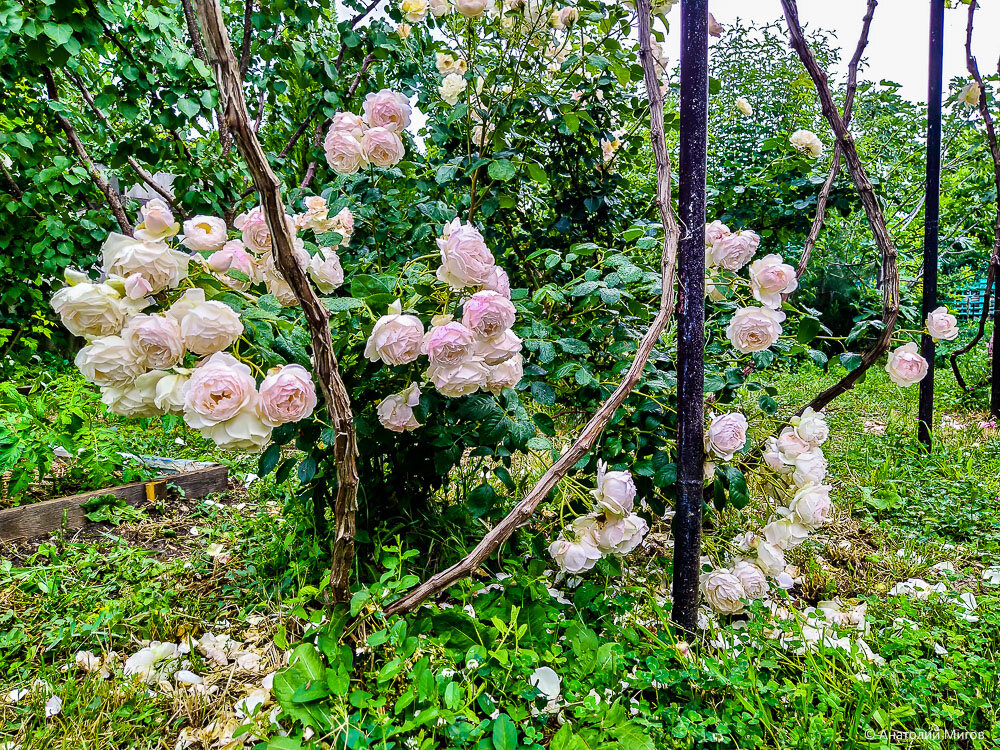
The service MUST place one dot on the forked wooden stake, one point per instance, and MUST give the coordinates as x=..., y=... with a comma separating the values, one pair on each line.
x=233, y=107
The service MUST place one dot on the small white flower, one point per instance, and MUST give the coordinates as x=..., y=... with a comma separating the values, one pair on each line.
x=53, y=706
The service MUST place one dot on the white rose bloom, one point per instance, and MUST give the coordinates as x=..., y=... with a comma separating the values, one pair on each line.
x=89, y=309
x=812, y=506
x=458, y=380
x=723, y=591
x=109, y=360
x=439, y=8
x=754, y=329
x=782, y=534
x=791, y=444
x=157, y=222
x=204, y=234
x=210, y=327
x=451, y=87
x=941, y=325
x=810, y=468
x=170, y=392
x=807, y=142
x=507, y=374
x=137, y=399
x=774, y=458
x=744, y=106
x=615, y=491
x=811, y=427
x=156, y=339
x=499, y=348
x=752, y=579
x=770, y=557
x=970, y=94
x=413, y=11
x=161, y=266
x=447, y=64
x=244, y=432
x=326, y=271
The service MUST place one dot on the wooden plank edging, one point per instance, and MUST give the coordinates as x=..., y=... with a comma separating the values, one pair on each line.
x=47, y=516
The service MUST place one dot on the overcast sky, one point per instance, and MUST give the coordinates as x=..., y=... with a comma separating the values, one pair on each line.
x=897, y=48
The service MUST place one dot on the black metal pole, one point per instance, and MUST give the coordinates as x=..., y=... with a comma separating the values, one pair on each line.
x=934, y=82
x=995, y=392
x=691, y=311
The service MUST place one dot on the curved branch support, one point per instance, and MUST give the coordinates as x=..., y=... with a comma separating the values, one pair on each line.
x=824, y=193
x=873, y=211
x=588, y=436
x=993, y=274
x=335, y=393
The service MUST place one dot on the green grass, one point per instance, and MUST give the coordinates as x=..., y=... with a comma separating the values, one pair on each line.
x=901, y=510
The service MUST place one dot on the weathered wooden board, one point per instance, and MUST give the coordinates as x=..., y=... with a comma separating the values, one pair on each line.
x=47, y=516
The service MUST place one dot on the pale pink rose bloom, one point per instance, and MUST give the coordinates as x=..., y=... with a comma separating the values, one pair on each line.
x=811, y=506
x=779, y=535
x=811, y=426
x=726, y=434
x=723, y=591
x=396, y=339
x=505, y=375
x=109, y=360
x=715, y=232
x=395, y=412
x=499, y=348
x=615, y=491
x=157, y=222
x=617, y=535
x=458, y=380
x=162, y=266
x=753, y=329
x=733, y=251
x=472, y=8
x=752, y=579
x=87, y=309
x=635, y=528
x=388, y=109
x=770, y=278
x=465, y=259
x=497, y=281
x=349, y=124
x=905, y=365
x=488, y=314
x=287, y=394
x=204, y=234
x=448, y=344
x=810, y=468
x=326, y=271
x=218, y=389
x=790, y=444
x=568, y=15
x=382, y=147
x=439, y=8
x=171, y=391
x=343, y=152
x=136, y=287
x=233, y=256
x=343, y=224
x=186, y=303
x=315, y=203
x=156, y=339
x=210, y=327
x=941, y=325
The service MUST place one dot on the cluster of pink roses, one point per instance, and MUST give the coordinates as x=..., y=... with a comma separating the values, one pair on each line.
x=612, y=528
x=354, y=142
x=478, y=352
x=175, y=361
x=806, y=506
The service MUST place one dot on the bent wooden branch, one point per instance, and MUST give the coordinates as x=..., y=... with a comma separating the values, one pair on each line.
x=824, y=193
x=526, y=507
x=338, y=402
x=873, y=211
x=993, y=274
x=114, y=202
